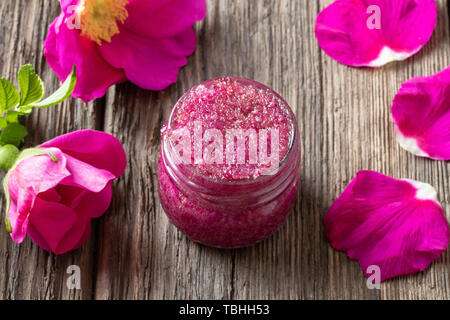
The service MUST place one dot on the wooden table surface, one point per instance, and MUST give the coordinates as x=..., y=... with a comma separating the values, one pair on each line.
x=345, y=124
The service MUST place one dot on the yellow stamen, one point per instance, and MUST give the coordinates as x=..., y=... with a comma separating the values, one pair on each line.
x=99, y=18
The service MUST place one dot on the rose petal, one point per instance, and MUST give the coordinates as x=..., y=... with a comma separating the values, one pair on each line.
x=152, y=64
x=85, y=235
x=50, y=195
x=76, y=237
x=55, y=227
x=405, y=27
x=421, y=114
x=101, y=200
x=64, y=48
x=397, y=225
x=147, y=17
x=96, y=148
x=86, y=176
x=40, y=173
x=149, y=50
x=70, y=196
x=65, y=4
x=30, y=177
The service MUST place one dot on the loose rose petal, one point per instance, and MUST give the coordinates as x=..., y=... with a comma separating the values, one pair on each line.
x=96, y=148
x=347, y=30
x=421, y=114
x=397, y=225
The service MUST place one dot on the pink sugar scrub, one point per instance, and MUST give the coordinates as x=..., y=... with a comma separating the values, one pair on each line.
x=229, y=203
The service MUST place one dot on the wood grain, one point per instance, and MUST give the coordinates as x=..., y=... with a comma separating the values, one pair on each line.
x=26, y=271
x=344, y=119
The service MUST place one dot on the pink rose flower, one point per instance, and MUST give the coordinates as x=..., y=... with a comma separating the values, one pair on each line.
x=111, y=41
x=54, y=196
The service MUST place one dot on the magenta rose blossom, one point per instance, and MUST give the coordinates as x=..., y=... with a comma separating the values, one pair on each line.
x=54, y=195
x=111, y=41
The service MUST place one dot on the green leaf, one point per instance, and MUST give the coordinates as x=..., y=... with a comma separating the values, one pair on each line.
x=8, y=156
x=31, y=85
x=13, y=134
x=61, y=94
x=12, y=116
x=3, y=123
x=9, y=96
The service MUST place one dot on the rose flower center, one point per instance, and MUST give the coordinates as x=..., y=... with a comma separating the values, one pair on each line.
x=99, y=18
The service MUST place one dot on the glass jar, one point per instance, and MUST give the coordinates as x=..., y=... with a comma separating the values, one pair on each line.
x=229, y=205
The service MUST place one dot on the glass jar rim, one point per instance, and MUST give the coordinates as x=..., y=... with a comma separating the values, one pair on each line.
x=261, y=179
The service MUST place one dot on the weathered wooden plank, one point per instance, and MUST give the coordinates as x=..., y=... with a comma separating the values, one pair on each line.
x=343, y=114
x=26, y=271
x=433, y=283
x=344, y=119
x=281, y=45
x=140, y=255
x=360, y=135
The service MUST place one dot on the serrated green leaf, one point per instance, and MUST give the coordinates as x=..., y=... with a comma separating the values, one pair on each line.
x=61, y=94
x=31, y=85
x=9, y=96
x=13, y=134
